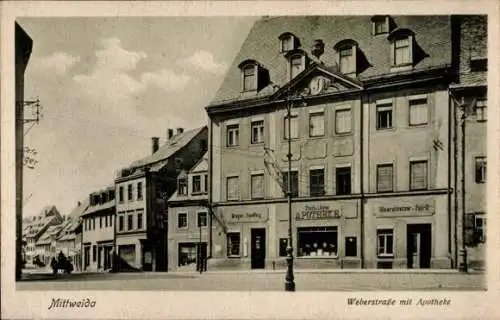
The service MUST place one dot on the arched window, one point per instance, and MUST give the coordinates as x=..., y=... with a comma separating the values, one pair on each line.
x=288, y=42
x=297, y=62
x=347, y=55
x=249, y=71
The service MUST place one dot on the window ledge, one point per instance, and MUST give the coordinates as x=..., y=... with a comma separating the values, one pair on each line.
x=391, y=129
x=234, y=257
x=233, y=147
x=419, y=125
x=385, y=257
x=343, y=134
x=256, y=144
x=318, y=257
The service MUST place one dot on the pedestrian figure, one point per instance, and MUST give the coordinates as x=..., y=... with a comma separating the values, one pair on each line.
x=53, y=265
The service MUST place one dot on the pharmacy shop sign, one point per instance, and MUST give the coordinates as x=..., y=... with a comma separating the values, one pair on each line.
x=318, y=212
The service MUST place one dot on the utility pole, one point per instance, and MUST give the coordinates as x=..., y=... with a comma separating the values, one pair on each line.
x=289, y=278
x=463, y=251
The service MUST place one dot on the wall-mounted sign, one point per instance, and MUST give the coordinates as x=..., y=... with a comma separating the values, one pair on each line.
x=405, y=210
x=318, y=212
x=246, y=214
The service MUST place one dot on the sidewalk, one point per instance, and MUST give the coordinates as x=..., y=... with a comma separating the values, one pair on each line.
x=46, y=274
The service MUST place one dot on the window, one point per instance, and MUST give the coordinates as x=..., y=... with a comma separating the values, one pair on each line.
x=480, y=227
x=385, y=178
x=106, y=218
x=93, y=223
x=139, y=191
x=481, y=110
x=205, y=184
x=202, y=219
x=257, y=131
x=294, y=177
x=418, y=175
x=233, y=244
x=418, y=111
x=187, y=254
x=317, y=241
x=402, y=51
x=233, y=135
x=347, y=59
x=317, y=182
x=343, y=121
x=282, y=248
x=139, y=220
x=182, y=186
x=249, y=78
x=110, y=221
x=380, y=26
x=287, y=43
x=316, y=124
x=130, y=221
x=478, y=64
x=94, y=253
x=295, y=65
x=120, y=223
x=129, y=192
x=233, y=190
x=480, y=169
x=196, y=184
x=182, y=220
x=385, y=243
x=384, y=116
x=294, y=126
x=120, y=194
x=100, y=222
x=351, y=247
x=343, y=180
x=257, y=186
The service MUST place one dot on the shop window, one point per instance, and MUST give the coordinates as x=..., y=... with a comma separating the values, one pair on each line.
x=120, y=223
x=317, y=241
x=202, y=219
x=385, y=243
x=233, y=190
x=283, y=246
x=130, y=221
x=317, y=124
x=481, y=110
x=233, y=244
x=196, y=184
x=187, y=254
x=294, y=177
x=351, y=247
x=294, y=126
x=343, y=180
x=317, y=182
x=418, y=111
x=343, y=121
x=139, y=191
x=257, y=128
x=257, y=186
x=384, y=116
x=182, y=220
x=385, y=178
x=480, y=169
x=130, y=192
x=139, y=220
x=233, y=135
x=418, y=175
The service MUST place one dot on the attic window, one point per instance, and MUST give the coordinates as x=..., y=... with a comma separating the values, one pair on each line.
x=297, y=61
x=288, y=42
x=347, y=55
x=479, y=64
x=380, y=24
x=249, y=70
x=402, y=43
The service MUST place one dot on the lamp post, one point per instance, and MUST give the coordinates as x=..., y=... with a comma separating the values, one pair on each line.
x=463, y=251
x=289, y=278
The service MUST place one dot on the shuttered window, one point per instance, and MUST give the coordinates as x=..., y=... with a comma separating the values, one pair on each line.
x=418, y=175
x=385, y=178
x=294, y=126
x=347, y=60
x=343, y=121
x=418, y=111
x=316, y=124
x=249, y=79
x=257, y=181
x=402, y=51
x=233, y=190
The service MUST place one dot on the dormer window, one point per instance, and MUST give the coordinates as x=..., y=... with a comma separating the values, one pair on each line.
x=402, y=42
x=249, y=78
x=254, y=77
x=182, y=187
x=347, y=56
x=288, y=42
x=380, y=25
x=297, y=61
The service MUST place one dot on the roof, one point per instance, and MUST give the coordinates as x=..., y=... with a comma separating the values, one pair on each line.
x=51, y=231
x=79, y=209
x=99, y=207
x=432, y=34
x=201, y=165
x=175, y=197
x=35, y=226
x=170, y=148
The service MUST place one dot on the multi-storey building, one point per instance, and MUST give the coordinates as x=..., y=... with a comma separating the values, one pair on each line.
x=98, y=236
x=69, y=241
x=142, y=191
x=371, y=129
x=470, y=94
x=189, y=220
x=34, y=228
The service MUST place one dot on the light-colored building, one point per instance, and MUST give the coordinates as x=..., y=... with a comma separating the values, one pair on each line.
x=46, y=246
x=98, y=236
x=142, y=191
x=70, y=237
x=189, y=219
x=371, y=131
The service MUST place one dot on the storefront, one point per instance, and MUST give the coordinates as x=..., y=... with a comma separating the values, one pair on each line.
x=407, y=232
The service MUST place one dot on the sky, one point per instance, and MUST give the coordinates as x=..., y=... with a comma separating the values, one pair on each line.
x=107, y=85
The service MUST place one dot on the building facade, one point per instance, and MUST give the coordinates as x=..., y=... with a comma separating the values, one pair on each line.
x=98, y=235
x=70, y=237
x=189, y=219
x=372, y=144
x=142, y=192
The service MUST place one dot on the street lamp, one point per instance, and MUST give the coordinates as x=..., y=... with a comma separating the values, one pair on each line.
x=464, y=108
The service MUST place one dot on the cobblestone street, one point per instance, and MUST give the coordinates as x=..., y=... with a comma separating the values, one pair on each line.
x=262, y=281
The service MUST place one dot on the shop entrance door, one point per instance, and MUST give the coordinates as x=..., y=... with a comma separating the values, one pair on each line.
x=418, y=246
x=258, y=253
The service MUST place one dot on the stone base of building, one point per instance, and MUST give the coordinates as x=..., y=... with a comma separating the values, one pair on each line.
x=280, y=264
x=441, y=263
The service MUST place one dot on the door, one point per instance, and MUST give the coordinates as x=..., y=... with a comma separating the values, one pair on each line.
x=258, y=249
x=419, y=246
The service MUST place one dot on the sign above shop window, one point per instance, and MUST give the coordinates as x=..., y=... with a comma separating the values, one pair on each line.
x=238, y=217
x=419, y=209
x=318, y=212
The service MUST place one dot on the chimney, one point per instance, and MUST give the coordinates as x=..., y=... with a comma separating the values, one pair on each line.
x=180, y=130
x=155, y=144
x=170, y=133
